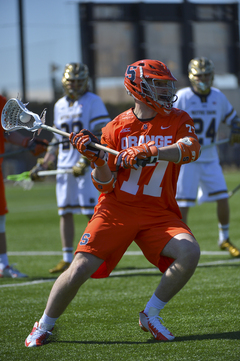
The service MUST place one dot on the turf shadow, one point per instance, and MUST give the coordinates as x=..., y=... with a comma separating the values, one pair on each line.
x=235, y=335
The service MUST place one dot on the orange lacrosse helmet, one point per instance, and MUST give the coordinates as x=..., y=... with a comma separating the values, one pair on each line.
x=151, y=82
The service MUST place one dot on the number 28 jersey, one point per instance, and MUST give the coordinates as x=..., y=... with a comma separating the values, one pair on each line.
x=207, y=113
x=154, y=186
x=88, y=112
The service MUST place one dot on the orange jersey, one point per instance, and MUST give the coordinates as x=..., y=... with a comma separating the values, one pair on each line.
x=142, y=206
x=153, y=186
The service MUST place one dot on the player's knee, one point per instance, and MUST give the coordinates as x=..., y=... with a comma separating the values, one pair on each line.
x=192, y=254
x=84, y=265
x=188, y=251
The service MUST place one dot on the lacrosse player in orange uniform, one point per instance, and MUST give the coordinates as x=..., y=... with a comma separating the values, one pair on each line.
x=137, y=200
x=36, y=147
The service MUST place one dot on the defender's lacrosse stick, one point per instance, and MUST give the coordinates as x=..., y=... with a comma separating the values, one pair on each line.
x=15, y=116
x=10, y=154
x=218, y=142
x=231, y=193
x=42, y=173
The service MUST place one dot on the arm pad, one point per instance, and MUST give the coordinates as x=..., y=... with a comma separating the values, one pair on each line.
x=103, y=187
x=189, y=149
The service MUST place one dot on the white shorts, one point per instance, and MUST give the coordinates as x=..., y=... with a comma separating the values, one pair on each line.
x=76, y=194
x=201, y=182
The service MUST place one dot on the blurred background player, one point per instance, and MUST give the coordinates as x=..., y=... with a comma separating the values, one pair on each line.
x=36, y=147
x=78, y=109
x=203, y=180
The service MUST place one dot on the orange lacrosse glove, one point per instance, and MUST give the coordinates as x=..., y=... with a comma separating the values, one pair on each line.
x=129, y=157
x=36, y=146
x=82, y=140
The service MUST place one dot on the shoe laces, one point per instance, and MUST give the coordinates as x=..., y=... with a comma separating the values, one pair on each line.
x=155, y=321
x=41, y=331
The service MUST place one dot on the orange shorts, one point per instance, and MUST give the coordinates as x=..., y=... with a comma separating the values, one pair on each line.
x=114, y=226
x=3, y=203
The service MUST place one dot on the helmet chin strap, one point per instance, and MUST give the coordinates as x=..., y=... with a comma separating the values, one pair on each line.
x=203, y=90
x=202, y=86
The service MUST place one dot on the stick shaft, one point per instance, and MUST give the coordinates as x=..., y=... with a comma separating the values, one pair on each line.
x=54, y=130
x=95, y=145
x=10, y=154
x=218, y=142
x=43, y=173
x=4, y=155
x=231, y=193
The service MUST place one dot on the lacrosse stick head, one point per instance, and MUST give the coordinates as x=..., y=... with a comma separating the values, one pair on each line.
x=15, y=116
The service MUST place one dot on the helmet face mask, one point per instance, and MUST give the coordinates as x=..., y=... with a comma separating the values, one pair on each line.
x=151, y=82
x=201, y=74
x=75, y=80
x=160, y=91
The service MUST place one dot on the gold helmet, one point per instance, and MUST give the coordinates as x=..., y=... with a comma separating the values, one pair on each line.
x=75, y=80
x=201, y=74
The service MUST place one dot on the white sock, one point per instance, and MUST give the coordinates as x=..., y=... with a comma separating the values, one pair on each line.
x=47, y=323
x=154, y=302
x=67, y=254
x=223, y=231
x=3, y=260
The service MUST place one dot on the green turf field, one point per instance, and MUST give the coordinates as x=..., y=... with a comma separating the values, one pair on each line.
x=102, y=321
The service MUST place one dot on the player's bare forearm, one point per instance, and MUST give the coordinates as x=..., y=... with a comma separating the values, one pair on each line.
x=103, y=174
x=186, y=150
x=169, y=153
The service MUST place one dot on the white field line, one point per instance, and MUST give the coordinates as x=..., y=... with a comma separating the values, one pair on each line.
x=151, y=270
x=121, y=273
x=128, y=253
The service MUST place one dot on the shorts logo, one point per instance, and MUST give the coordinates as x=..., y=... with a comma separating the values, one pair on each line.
x=85, y=239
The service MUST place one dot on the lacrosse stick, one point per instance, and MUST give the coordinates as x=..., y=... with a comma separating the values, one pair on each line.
x=10, y=154
x=42, y=173
x=218, y=142
x=4, y=155
x=15, y=116
x=231, y=193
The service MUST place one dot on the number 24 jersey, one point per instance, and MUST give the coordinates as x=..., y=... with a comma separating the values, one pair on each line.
x=207, y=113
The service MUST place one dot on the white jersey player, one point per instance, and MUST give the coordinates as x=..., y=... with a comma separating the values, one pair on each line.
x=78, y=109
x=87, y=112
x=203, y=180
